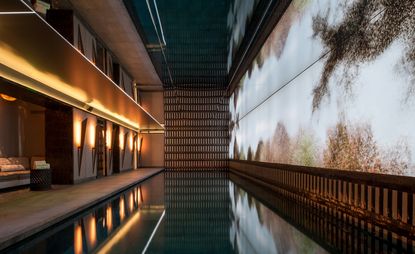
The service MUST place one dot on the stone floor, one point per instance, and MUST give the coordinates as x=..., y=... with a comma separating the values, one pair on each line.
x=24, y=213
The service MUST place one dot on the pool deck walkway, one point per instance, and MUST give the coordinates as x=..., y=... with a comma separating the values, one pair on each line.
x=24, y=213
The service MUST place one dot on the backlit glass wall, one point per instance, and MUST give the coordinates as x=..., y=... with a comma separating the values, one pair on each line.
x=333, y=86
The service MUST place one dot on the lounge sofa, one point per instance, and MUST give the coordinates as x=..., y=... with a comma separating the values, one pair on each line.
x=14, y=171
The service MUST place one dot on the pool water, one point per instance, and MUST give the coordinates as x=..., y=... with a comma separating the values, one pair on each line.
x=200, y=212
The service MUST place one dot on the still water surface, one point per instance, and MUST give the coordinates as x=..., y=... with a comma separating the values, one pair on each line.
x=197, y=212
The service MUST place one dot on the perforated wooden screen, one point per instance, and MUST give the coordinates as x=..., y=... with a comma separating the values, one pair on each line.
x=197, y=134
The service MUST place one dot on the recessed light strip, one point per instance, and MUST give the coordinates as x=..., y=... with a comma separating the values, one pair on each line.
x=161, y=26
x=76, y=50
x=154, y=232
x=16, y=12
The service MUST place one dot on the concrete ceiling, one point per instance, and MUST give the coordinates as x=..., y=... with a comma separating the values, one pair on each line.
x=112, y=23
x=196, y=36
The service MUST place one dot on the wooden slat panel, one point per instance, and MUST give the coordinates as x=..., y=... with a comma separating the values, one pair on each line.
x=196, y=135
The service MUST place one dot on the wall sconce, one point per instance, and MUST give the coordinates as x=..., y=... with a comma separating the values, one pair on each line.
x=80, y=129
x=121, y=140
x=92, y=136
x=7, y=97
x=77, y=129
x=108, y=139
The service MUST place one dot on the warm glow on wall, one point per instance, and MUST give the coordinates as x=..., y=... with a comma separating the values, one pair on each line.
x=52, y=85
x=7, y=97
x=121, y=140
x=108, y=217
x=78, y=239
x=108, y=138
x=92, y=135
x=131, y=202
x=77, y=130
x=131, y=141
x=92, y=227
x=122, y=209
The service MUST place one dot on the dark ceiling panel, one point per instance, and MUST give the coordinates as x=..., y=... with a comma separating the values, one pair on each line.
x=196, y=38
x=208, y=43
x=12, y=6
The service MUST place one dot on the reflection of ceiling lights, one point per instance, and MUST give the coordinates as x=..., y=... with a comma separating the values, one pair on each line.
x=7, y=98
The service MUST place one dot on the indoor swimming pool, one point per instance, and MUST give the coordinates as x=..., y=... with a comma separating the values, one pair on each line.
x=201, y=212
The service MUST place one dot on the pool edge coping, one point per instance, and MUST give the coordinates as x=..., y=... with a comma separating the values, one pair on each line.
x=34, y=229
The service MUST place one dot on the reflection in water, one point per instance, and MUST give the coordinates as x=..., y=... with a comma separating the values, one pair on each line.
x=91, y=231
x=122, y=209
x=207, y=213
x=131, y=201
x=197, y=214
x=139, y=196
x=108, y=246
x=257, y=229
x=210, y=213
x=78, y=239
x=108, y=217
x=101, y=228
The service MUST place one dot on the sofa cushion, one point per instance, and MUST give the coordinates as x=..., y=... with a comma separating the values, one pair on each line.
x=4, y=161
x=24, y=161
x=8, y=168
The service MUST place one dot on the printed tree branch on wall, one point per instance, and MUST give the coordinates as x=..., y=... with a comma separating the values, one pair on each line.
x=368, y=29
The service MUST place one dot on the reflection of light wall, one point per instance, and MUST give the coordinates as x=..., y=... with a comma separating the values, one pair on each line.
x=138, y=196
x=131, y=202
x=120, y=234
x=92, y=236
x=78, y=239
x=122, y=208
x=108, y=217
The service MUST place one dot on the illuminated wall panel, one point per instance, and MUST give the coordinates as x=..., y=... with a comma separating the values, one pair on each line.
x=331, y=87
